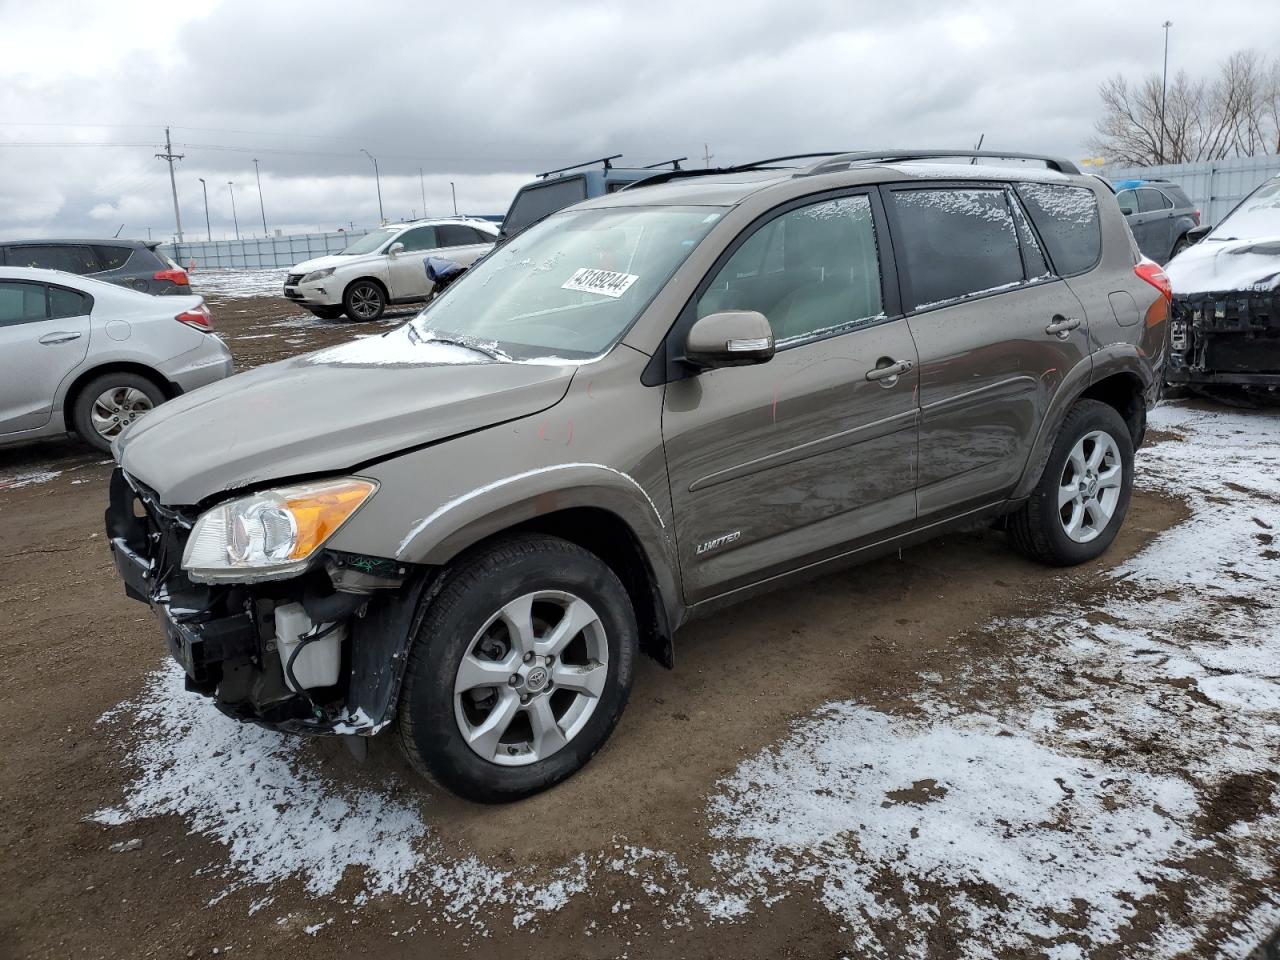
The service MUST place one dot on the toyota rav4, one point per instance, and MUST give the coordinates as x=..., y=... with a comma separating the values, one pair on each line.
x=640, y=409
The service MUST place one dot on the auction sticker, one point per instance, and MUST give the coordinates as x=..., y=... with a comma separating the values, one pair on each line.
x=610, y=283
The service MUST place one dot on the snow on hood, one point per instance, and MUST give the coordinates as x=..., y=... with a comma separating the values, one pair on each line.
x=1251, y=266
x=334, y=260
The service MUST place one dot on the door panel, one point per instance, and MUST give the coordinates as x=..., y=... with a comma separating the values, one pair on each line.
x=407, y=272
x=36, y=354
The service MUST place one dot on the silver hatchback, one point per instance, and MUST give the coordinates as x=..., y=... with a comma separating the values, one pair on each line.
x=86, y=356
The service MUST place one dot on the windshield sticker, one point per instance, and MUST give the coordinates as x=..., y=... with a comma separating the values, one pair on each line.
x=610, y=283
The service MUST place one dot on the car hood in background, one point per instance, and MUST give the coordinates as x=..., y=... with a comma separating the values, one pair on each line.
x=336, y=260
x=1212, y=266
x=328, y=411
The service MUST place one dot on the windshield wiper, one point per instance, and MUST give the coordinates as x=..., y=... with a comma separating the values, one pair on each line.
x=433, y=337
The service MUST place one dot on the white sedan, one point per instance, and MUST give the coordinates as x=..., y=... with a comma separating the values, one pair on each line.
x=385, y=266
x=91, y=357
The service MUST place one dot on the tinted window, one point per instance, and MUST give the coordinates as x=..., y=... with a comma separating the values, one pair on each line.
x=21, y=302
x=1067, y=220
x=69, y=257
x=1151, y=200
x=455, y=235
x=534, y=203
x=957, y=243
x=811, y=271
x=1032, y=253
x=67, y=303
x=420, y=238
x=112, y=258
x=480, y=236
x=1177, y=195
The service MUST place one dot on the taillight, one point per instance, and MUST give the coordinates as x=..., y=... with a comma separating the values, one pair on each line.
x=174, y=275
x=199, y=318
x=1196, y=216
x=1150, y=271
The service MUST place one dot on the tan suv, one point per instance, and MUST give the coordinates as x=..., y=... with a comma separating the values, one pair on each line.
x=642, y=408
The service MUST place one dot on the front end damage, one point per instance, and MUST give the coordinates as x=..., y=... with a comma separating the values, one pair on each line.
x=1226, y=339
x=319, y=653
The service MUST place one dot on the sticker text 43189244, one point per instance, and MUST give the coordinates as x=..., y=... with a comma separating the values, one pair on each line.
x=610, y=283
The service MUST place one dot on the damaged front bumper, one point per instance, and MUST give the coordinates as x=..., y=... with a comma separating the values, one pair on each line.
x=1229, y=339
x=224, y=636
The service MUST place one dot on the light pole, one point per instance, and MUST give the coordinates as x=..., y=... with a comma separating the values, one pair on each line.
x=454, y=191
x=232, y=187
x=377, y=179
x=1164, y=87
x=422, y=185
x=207, y=229
x=261, y=206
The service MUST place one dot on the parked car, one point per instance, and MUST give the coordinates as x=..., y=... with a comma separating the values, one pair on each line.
x=126, y=263
x=385, y=266
x=557, y=189
x=1160, y=214
x=636, y=411
x=1225, y=332
x=78, y=354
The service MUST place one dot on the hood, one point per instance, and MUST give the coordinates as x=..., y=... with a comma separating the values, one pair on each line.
x=1213, y=266
x=334, y=260
x=328, y=411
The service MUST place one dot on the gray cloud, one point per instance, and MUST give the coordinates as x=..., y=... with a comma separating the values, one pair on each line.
x=486, y=94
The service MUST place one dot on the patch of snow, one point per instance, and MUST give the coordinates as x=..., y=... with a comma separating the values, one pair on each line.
x=28, y=479
x=239, y=283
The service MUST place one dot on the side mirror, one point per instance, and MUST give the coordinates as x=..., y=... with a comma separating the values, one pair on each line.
x=1127, y=211
x=1196, y=234
x=734, y=338
x=395, y=249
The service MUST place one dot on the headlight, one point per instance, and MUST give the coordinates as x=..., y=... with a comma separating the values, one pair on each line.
x=317, y=275
x=272, y=534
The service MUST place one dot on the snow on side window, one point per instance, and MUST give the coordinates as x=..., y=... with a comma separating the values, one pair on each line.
x=958, y=243
x=1067, y=218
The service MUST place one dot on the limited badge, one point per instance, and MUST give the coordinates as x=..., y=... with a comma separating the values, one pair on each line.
x=608, y=283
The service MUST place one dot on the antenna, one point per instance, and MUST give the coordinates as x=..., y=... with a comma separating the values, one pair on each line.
x=117, y=233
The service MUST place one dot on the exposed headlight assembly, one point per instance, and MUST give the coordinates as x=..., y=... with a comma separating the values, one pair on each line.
x=272, y=534
x=317, y=275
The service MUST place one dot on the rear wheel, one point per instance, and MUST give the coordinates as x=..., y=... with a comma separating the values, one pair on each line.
x=326, y=313
x=519, y=670
x=1181, y=244
x=1083, y=495
x=109, y=403
x=364, y=300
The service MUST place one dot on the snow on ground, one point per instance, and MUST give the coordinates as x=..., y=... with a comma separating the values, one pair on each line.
x=1118, y=765
x=239, y=283
x=27, y=479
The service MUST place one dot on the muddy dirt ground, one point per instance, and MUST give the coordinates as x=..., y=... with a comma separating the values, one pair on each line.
x=72, y=647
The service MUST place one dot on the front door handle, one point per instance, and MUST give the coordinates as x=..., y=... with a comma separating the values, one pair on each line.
x=60, y=336
x=888, y=370
x=1062, y=326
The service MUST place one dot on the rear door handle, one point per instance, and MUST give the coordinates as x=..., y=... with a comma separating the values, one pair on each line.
x=889, y=370
x=1062, y=326
x=60, y=336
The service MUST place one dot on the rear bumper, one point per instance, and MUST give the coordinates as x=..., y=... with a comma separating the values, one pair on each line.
x=208, y=363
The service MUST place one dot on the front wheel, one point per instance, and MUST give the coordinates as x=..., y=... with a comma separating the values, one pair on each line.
x=364, y=300
x=1181, y=244
x=518, y=671
x=1083, y=494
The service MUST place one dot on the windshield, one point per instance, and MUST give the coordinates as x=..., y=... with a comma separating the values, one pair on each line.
x=1257, y=218
x=369, y=242
x=571, y=285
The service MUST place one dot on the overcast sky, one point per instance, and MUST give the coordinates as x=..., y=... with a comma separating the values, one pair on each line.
x=485, y=94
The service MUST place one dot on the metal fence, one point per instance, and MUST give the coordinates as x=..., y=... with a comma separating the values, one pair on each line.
x=1215, y=186
x=260, y=254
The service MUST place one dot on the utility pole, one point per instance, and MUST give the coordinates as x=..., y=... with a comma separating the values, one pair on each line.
x=207, y=229
x=232, y=187
x=170, y=156
x=1164, y=89
x=378, y=180
x=707, y=155
x=454, y=191
x=261, y=206
x=423, y=187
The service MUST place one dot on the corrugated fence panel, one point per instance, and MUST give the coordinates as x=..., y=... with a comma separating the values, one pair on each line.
x=259, y=253
x=1215, y=186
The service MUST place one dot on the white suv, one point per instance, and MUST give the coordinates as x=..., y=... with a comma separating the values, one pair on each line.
x=385, y=266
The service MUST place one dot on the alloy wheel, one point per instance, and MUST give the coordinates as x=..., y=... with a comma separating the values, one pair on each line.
x=1089, y=489
x=366, y=301
x=116, y=408
x=531, y=678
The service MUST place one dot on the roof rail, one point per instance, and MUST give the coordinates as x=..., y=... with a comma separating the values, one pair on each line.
x=845, y=160
x=585, y=163
x=680, y=173
x=675, y=164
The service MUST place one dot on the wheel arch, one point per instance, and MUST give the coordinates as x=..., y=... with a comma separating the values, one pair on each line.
x=167, y=387
x=382, y=285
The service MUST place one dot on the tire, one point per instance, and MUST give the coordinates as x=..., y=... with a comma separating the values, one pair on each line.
x=1179, y=245
x=463, y=640
x=124, y=397
x=327, y=313
x=364, y=300
x=1041, y=527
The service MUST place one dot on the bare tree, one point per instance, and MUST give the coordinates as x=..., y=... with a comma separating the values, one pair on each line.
x=1234, y=114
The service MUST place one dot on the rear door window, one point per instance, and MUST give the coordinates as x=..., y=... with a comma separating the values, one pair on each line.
x=111, y=257
x=1150, y=201
x=956, y=243
x=21, y=303
x=455, y=235
x=72, y=258
x=1066, y=218
x=541, y=200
